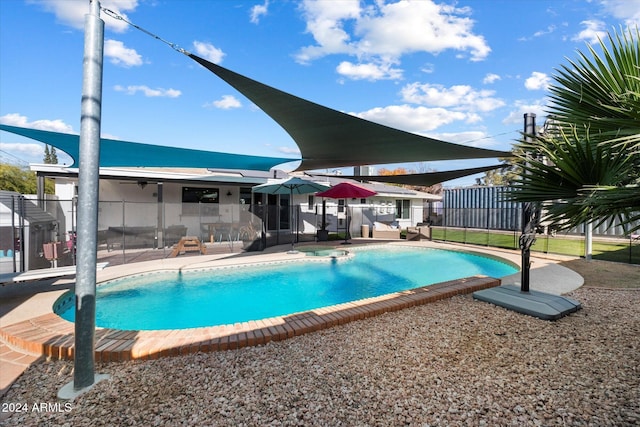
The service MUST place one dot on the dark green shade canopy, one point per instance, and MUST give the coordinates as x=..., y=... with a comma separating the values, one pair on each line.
x=424, y=179
x=114, y=153
x=330, y=139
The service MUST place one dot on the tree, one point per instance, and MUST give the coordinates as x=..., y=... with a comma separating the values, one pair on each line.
x=433, y=189
x=503, y=176
x=54, y=156
x=586, y=167
x=15, y=178
x=50, y=155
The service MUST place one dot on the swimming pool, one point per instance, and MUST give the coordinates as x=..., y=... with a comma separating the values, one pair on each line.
x=174, y=300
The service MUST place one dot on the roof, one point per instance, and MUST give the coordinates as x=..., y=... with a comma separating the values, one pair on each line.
x=201, y=175
x=32, y=213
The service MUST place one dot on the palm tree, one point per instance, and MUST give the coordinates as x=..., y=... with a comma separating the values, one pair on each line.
x=586, y=168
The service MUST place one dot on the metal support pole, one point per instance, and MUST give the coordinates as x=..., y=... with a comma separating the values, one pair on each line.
x=40, y=183
x=527, y=238
x=588, y=240
x=88, y=181
x=22, y=240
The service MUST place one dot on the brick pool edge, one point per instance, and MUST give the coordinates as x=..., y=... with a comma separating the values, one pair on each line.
x=53, y=337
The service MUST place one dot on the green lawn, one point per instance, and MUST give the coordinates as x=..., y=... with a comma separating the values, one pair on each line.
x=618, y=251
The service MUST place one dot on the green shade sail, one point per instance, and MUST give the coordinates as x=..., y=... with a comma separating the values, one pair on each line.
x=423, y=179
x=330, y=139
x=115, y=153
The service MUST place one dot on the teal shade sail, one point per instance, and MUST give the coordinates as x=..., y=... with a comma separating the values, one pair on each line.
x=116, y=153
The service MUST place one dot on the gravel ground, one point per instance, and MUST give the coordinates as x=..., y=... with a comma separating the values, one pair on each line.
x=455, y=362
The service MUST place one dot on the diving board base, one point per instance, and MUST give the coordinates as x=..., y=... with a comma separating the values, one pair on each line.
x=533, y=303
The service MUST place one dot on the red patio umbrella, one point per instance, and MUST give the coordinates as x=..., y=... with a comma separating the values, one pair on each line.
x=347, y=190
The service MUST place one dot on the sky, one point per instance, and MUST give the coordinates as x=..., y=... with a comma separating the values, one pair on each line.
x=461, y=71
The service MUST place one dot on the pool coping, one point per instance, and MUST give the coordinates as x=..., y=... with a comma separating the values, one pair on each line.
x=51, y=336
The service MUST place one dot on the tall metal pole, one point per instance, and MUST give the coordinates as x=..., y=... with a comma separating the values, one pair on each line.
x=91, y=113
x=527, y=239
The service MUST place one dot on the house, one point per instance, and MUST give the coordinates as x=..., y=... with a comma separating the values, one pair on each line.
x=154, y=207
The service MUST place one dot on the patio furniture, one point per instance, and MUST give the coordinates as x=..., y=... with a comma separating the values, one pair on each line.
x=383, y=230
x=188, y=244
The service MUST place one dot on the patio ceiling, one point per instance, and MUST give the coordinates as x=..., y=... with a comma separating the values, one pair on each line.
x=115, y=153
x=330, y=139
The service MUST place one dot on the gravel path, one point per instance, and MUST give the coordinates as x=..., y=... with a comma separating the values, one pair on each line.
x=455, y=362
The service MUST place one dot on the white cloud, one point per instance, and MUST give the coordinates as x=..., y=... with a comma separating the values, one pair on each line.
x=537, y=81
x=258, y=11
x=428, y=68
x=550, y=29
x=325, y=21
x=147, y=91
x=121, y=55
x=72, y=12
x=491, y=78
x=14, y=119
x=289, y=150
x=226, y=103
x=412, y=119
x=208, y=52
x=626, y=10
x=516, y=116
x=368, y=71
x=382, y=33
x=33, y=152
x=459, y=97
x=594, y=29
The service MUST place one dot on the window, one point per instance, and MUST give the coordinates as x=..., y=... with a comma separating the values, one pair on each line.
x=245, y=195
x=200, y=201
x=403, y=209
x=311, y=201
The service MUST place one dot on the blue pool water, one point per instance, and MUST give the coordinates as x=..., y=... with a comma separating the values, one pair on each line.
x=223, y=296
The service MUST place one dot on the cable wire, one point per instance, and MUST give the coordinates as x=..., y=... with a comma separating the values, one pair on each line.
x=114, y=15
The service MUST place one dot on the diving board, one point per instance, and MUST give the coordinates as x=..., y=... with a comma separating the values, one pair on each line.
x=43, y=273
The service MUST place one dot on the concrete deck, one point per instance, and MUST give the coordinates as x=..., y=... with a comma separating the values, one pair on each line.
x=29, y=329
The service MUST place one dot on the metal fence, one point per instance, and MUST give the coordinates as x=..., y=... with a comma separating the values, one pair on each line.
x=139, y=231
x=502, y=228
x=41, y=233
